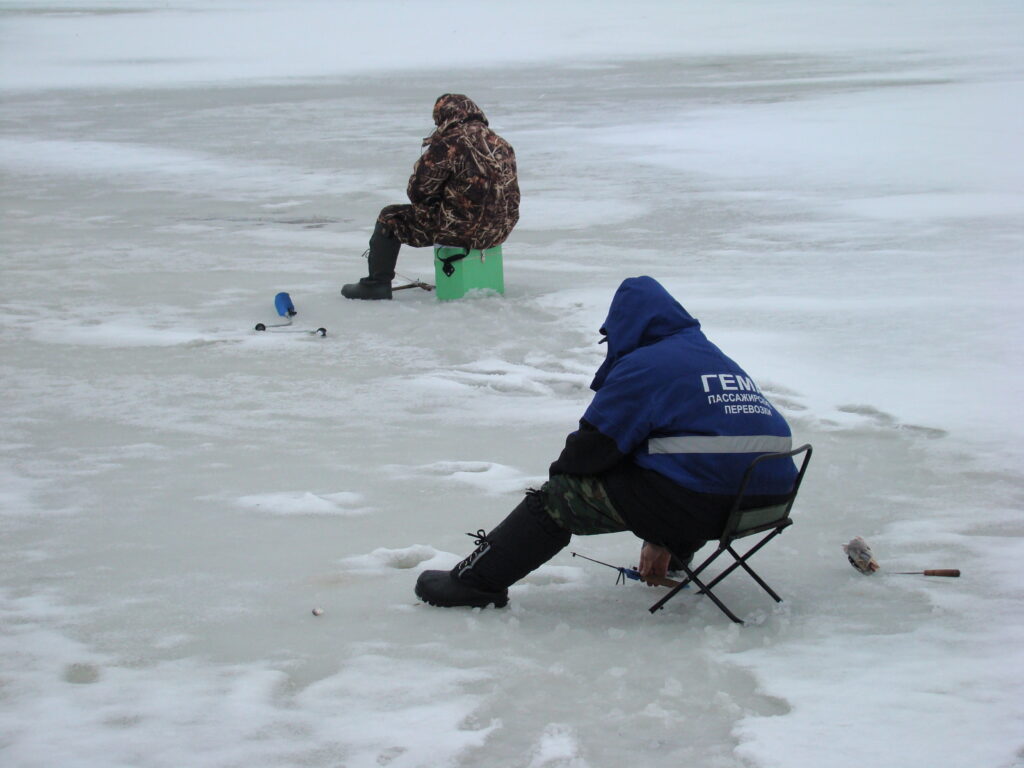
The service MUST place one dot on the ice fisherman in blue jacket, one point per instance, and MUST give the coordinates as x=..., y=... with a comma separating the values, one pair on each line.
x=660, y=451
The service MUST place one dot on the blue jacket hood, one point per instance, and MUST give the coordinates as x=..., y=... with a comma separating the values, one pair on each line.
x=642, y=312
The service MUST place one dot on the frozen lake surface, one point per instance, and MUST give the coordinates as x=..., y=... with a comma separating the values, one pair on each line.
x=837, y=195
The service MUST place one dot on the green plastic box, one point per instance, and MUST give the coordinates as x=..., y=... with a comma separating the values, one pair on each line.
x=478, y=271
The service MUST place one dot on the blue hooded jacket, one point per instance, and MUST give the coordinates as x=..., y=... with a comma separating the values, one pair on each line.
x=675, y=404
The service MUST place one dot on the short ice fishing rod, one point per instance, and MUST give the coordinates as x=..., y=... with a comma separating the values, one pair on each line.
x=286, y=309
x=630, y=573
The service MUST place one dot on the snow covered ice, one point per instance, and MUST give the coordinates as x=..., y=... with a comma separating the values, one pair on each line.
x=834, y=189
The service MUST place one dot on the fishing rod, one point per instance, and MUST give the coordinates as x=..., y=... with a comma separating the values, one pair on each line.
x=286, y=309
x=410, y=282
x=631, y=573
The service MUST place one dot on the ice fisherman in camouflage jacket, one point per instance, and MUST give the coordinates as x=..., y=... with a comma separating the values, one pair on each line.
x=463, y=192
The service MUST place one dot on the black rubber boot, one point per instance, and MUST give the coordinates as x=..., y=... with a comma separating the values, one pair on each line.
x=382, y=257
x=366, y=288
x=524, y=540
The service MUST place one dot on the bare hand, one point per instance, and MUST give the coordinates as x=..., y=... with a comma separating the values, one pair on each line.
x=654, y=562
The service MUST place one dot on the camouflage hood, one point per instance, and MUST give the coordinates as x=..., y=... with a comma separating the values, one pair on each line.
x=453, y=109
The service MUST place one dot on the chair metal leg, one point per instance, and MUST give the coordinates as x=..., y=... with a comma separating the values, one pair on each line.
x=692, y=577
x=741, y=561
x=690, y=574
x=672, y=593
x=705, y=589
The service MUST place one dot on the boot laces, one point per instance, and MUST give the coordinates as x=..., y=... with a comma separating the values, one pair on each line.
x=480, y=537
x=483, y=544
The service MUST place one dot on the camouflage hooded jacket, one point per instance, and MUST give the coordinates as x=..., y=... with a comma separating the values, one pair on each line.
x=465, y=182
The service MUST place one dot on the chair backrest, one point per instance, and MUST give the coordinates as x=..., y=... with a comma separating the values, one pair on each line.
x=745, y=522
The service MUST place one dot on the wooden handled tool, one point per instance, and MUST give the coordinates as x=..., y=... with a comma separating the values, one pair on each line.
x=859, y=554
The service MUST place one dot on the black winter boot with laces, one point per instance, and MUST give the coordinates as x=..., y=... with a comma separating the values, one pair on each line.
x=381, y=259
x=524, y=540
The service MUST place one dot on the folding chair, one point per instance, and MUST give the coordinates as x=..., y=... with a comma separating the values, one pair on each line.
x=742, y=523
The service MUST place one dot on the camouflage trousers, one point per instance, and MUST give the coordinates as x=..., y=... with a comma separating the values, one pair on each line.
x=424, y=225
x=414, y=225
x=581, y=505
